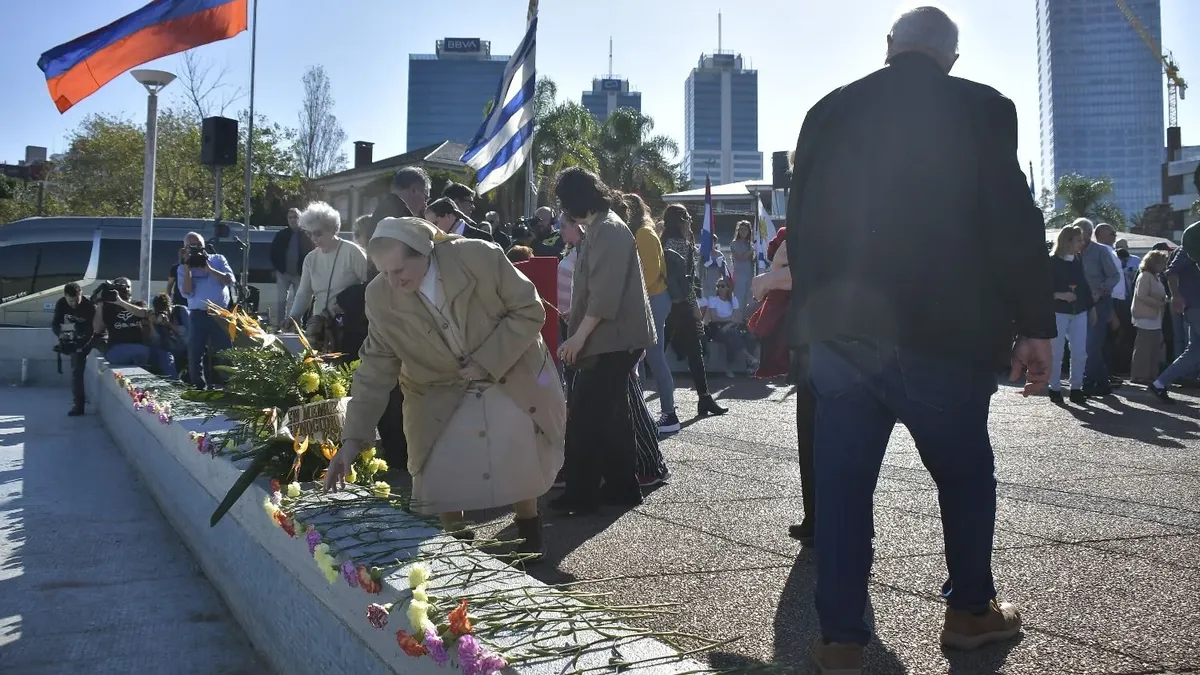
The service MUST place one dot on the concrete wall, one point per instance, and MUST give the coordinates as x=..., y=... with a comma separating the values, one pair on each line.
x=298, y=620
x=35, y=345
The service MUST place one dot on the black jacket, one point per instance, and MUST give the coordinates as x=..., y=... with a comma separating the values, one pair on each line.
x=910, y=222
x=1068, y=277
x=279, y=248
x=472, y=232
x=73, y=323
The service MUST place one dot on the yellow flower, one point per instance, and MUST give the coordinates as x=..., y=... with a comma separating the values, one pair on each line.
x=420, y=594
x=377, y=466
x=352, y=476
x=418, y=616
x=293, y=490
x=309, y=381
x=336, y=390
x=381, y=489
x=418, y=576
x=331, y=572
x=300, y=446
x=316, y=398
x=367, y=455
x=269, y=507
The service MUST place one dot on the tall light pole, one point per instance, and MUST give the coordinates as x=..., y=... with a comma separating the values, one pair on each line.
x=153, y=81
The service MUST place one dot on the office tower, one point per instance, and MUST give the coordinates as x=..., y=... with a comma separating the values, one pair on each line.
x=1101, y=97
x=607, y=95
x=449, y=90
x=720, y=121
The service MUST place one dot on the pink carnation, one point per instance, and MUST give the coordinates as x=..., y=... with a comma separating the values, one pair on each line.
x=378, y=616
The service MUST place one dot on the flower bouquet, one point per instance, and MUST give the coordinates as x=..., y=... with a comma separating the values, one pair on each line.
x=288, y=408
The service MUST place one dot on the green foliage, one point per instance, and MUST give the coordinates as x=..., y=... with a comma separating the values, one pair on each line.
x=1081, y=197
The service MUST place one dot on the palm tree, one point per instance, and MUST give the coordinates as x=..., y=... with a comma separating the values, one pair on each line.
x=633, y=158
x=1081, y=197
x=565, y=134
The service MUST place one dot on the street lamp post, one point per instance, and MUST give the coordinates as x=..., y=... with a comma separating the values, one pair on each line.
x=153, y=81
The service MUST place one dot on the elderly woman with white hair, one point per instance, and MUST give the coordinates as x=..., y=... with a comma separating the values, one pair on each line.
x=459, y=327
x=331, y=267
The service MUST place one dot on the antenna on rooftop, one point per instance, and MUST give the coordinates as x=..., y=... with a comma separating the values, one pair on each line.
x=610, y=56
x=718, y=31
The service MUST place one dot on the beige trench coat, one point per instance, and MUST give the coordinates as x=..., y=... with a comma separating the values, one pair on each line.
x=500, y=317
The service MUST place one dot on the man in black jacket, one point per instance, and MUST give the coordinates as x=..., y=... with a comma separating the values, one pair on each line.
x=288, y=250
x=73, y=317
x=464, y=198
x=905, y=162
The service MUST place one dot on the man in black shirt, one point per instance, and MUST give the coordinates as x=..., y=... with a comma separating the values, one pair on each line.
x=125, y=324
x=73, y=316
x=547, y=241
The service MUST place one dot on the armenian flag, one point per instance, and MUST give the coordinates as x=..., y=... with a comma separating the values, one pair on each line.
x=79, y=68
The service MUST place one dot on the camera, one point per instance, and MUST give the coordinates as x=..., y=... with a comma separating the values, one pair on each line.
x=197, y=257
x=106, y=292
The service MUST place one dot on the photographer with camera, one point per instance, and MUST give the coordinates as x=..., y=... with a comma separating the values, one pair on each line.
x=204, y=277
x=127, y=328
x=73, y=316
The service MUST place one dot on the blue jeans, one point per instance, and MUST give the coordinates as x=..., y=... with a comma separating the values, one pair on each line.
x=203, y=331
x=861, y=391
x=1095, y=374
x=1187, y=363
x=140, y=355
x=656, y=356
x=1072, y=328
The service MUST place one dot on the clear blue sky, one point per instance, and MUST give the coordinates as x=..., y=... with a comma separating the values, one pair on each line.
x=801, y=49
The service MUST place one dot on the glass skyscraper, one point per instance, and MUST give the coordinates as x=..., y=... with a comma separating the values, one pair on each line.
x=449, y=90
x=608, y=95
x=720, y=121
x=1101, y=97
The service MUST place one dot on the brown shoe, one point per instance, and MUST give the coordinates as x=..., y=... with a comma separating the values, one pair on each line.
x=964, y=630
x=838, y=658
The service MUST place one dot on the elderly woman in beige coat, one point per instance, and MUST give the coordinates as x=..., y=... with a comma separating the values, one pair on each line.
x=460, y=328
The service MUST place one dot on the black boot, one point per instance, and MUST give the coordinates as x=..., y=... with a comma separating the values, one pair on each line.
x=803, y=532
x=708, y=406
x=76, y=410
x=532, y=548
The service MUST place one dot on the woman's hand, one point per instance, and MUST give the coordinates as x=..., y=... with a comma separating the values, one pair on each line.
x=473, y=372
x=568, y=351
x=339, y=466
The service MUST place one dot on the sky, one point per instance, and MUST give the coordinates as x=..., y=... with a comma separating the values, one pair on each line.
x=801, y=49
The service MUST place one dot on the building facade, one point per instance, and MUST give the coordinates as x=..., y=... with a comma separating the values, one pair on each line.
x=1100, y=92
x=449, y=90
x=721, y=121
x=608, y=95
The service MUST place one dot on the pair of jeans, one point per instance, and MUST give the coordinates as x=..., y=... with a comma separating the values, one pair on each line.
x=1095, y=374
x=862, y=390
x=142, y=356
x=1073, y=329
x=601, y=443
x=730, y=336
x=1187, y=363
x=656, y=356
x=203, y=332
x=286, y=286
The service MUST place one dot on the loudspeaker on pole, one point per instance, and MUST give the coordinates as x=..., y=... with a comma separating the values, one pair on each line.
x=218, y=141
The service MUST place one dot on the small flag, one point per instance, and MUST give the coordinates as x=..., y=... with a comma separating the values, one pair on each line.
x=763, y=234
x=1032, y=191
x=79, y=68
x=505, y=138
x=706, y=231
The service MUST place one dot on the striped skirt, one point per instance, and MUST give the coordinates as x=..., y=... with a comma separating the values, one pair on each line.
x=650, y=463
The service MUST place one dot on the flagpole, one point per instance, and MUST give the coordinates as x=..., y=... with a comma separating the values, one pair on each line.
x=245, y=280
x=530, y=192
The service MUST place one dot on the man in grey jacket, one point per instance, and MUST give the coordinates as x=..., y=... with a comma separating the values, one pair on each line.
x=1102, y=275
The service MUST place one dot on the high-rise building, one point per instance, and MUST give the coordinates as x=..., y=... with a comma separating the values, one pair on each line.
x=607, y=95
x=720, y=121
x=449, y=90
x=1101, y=97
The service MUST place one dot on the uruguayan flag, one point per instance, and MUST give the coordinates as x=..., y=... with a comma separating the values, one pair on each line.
x=505, y=139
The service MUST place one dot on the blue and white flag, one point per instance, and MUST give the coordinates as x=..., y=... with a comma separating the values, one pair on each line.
x=505, y=139
x=707, y=230
x=764, y=232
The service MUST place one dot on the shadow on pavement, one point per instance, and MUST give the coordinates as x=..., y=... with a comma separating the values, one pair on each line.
x=1113, y=417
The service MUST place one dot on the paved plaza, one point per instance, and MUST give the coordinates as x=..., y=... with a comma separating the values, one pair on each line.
x=1098, y=539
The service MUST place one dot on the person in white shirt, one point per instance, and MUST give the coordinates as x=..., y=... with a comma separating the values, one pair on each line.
x=447, y=217
x=723, y=317
x=330, y=268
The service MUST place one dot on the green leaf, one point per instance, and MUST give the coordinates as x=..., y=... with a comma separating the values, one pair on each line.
x=243, y=482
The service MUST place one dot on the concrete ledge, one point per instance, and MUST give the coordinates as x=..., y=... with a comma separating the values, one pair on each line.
x=296, y=618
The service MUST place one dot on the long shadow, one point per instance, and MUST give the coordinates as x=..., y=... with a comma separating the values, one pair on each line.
x=747, y=390
x=797, y=629
x=1147, y=425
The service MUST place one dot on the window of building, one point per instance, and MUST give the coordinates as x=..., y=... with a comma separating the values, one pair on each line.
x=34, y=267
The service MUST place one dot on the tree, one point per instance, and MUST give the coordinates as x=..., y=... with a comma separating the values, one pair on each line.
x=319, y=138
x=205, y=91
x=564, y=136
x=1081, y=197
x=635, y=159
x=1045, y=202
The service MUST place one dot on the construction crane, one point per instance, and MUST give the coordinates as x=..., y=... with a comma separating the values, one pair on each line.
x=1176, y=87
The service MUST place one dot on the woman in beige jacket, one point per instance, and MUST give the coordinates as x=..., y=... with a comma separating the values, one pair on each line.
x=1149, y=302
x=610, y=328
x=484, y=415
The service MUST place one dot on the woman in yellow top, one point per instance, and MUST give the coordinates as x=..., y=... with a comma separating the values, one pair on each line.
x=654, y=271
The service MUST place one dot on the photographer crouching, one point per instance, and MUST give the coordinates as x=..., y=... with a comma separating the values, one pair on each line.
x=128, y=330
x=204, y=277
x=73, y=317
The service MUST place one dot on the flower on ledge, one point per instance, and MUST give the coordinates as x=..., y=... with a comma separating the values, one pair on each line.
x=313, y=538
x=377, y=615
x=418, y=575
x=285, y=521
x=460, y=623
x=491, y=663
x=350, y=573
x=336, y=390
x=377, y=466
x=293, y=490
x=436, y=647
x=309, y=381
x=418, y=616
x=381, y=489
x=410, y=645
x=371, y=580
